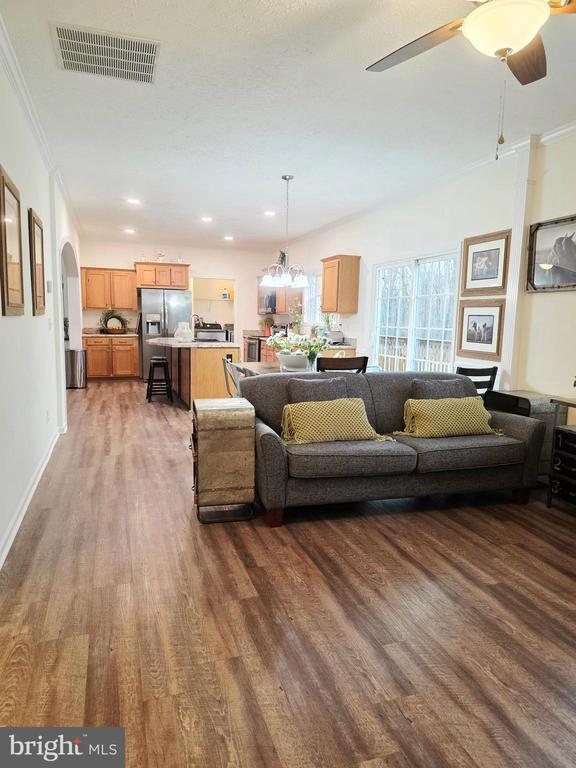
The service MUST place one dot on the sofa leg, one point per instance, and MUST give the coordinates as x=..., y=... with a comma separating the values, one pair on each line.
x=274, y=517
x=521, y=495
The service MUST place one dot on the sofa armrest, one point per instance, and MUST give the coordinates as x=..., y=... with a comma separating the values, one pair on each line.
x=530, y=432
x=271, y=467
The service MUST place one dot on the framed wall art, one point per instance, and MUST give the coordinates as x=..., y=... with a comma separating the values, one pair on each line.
x=552, y=255
x=11, y=277
x=480, y=327
x=485, y=264
x=36, y=236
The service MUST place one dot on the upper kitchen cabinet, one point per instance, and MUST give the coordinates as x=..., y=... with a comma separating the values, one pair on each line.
x=286, y=298
x=179, y=277
x=162, y=275
x=340, y=282
x=123, y=289
x=109, y=288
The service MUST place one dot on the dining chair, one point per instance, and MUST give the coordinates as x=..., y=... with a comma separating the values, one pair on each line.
x=232, y=375
x=482, y=378
x=357, y=364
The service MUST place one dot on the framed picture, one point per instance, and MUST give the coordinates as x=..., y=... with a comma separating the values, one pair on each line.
x=480, y=326
x=36, y=236
x=485, y=264
x=552, y=255
x=11, y=279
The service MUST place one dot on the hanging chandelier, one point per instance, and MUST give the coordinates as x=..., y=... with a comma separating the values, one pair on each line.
x=280, y=274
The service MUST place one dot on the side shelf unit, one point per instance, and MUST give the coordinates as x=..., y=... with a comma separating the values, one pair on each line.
x=563, y=468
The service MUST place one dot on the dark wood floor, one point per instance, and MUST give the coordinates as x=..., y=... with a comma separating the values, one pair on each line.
x=415, y=633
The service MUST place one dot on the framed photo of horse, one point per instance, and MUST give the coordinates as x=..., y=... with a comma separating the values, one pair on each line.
x=552, y=255
x=480, y=327
x=485, y=264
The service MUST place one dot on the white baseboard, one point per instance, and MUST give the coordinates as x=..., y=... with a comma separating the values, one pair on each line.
x=16, y=522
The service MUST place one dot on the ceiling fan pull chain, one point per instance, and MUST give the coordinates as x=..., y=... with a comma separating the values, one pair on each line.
x=501, y=140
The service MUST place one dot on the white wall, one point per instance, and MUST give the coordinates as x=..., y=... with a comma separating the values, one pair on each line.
x=548, y=320
x=241, y=266
x=434, y=221
x=30, y=387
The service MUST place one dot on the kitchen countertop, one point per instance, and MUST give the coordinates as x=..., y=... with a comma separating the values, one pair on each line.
x=169, y=341
x=108, y=335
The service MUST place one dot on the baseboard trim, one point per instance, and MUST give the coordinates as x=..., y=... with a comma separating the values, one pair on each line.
x=16, y=522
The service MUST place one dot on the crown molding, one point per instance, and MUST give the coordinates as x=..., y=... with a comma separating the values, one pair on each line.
x=548, y=137
x=16, y=78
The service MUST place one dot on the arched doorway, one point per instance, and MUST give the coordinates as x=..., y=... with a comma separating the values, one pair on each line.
x=71, y=296
x=67, y=303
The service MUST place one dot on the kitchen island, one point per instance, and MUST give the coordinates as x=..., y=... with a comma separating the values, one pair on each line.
x=196, y=367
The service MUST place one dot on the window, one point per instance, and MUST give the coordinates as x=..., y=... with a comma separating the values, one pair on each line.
x=415, y=315
x=313, y=300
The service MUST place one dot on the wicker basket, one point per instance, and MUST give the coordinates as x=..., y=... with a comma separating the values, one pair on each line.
x=116, y=331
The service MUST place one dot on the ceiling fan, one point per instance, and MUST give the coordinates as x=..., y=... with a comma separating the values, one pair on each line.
x=506, y=29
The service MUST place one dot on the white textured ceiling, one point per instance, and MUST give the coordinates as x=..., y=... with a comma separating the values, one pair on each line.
x=247, y=90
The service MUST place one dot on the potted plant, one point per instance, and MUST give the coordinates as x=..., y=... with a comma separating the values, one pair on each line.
x=266, y=325
x=295, y=352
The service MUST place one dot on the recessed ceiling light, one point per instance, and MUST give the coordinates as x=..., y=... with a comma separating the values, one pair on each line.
x=133, y=201
x=206, y=219
x=269, y=213
x=129, y=231
x=228, y=237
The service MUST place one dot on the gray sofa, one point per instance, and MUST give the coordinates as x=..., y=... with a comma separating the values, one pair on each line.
x=331, y=473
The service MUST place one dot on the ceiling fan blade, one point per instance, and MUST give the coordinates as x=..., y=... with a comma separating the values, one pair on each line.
x=569, y=8
x=529, y=64
x=416, y=47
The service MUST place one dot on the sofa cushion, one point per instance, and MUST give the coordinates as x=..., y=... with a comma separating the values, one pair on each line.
x=448, y=417
x=438, y=454
x=350, y=459
x=391, y=390
x=268, y=393
x=437, y=389
x=307, y=390
x=327, y=421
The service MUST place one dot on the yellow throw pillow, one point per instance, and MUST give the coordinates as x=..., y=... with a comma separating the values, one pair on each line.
x=448, y=417
x=327, y=421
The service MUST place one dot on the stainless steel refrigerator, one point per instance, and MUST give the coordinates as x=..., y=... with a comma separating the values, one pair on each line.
x=161, y=311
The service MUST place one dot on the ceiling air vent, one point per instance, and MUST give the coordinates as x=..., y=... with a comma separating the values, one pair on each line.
x=104, y=53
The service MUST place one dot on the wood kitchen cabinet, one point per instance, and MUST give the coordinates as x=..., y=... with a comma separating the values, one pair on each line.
x=277, y=301
x=340, y=283
x=109, y=288
x=123, y=289
x=97, y=288
x=125, y=358
x=288, y=297
x=98, y=357
x=175, y=276
x=111, y=356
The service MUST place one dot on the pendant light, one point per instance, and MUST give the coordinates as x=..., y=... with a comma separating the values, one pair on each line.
x=280, y=274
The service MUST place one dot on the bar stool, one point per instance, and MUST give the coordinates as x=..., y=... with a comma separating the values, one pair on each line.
x=159, y=385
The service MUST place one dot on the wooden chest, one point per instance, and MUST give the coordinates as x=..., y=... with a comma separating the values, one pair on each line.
x=224, y=463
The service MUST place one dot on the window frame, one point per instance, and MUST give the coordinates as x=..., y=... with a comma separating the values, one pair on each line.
x=413, y=261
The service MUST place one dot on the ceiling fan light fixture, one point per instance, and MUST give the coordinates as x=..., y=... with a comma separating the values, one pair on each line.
x=504, y=27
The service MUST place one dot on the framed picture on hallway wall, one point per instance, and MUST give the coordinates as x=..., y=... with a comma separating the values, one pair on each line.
x=552, y=255
x=11, y=277
x=485, y=264
x=36, y=235
x=480, y=326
